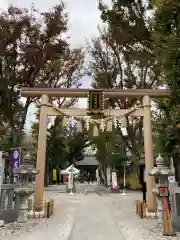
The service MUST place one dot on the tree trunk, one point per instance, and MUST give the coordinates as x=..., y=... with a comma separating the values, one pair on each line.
x=50, y=174
x=177, y=168
x=104, y=166
x=46, y=177
x=15, y=137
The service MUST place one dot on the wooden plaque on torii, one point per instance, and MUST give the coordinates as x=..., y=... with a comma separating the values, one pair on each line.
x=95, y=103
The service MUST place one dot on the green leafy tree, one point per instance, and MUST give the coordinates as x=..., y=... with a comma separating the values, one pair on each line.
x=77, y=142
x=123, y=57
x=103, y=144
x=5, y=137
x=166, y=41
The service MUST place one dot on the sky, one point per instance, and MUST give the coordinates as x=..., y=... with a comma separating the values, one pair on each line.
x=84, y=18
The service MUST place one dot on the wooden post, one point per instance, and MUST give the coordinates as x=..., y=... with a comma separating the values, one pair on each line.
x=136, y=206
x=148, y=150
x=168, y=228
x=144, y=209
x=41, y=154
x=48, y=209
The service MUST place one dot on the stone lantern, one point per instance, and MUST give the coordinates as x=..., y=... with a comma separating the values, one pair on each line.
x=161, y=173
x=25, y=173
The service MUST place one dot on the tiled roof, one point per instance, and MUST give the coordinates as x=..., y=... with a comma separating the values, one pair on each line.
x=88, y=161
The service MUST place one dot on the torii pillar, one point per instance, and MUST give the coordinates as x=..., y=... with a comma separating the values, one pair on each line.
x=148, y=150
x=41, y=153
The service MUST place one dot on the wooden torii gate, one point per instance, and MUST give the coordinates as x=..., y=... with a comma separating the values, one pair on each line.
x=48, y=110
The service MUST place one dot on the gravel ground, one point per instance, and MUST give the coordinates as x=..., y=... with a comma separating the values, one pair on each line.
x=121, y=208
x=64, y=203
x=15, y=228
x=59, y=225
x=124, y=212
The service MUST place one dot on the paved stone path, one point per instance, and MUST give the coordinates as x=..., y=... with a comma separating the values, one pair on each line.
x=94, y=221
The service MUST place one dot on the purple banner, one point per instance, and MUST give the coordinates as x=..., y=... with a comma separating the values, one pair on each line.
x=15, y=162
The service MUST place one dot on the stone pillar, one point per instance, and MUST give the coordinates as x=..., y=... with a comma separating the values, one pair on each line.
x=148, y=150
x=1, y=170
x=2, y=165
x=41, y=153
